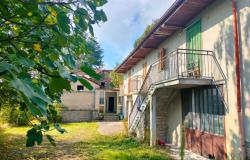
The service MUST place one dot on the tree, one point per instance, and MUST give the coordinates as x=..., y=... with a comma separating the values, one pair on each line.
x=145, y=33
x=40, y=42
x=95, y=58
x=116, y=79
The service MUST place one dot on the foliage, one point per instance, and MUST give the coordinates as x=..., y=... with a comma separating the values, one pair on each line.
x=116, y=79
x=145, y=33
x=78, y=144
x=95, y=59
x=40, y=41
x=14, y=115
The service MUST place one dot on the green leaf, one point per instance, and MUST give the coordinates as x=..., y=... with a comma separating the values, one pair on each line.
x=4, y=66
x=91, y=30
x=31, y=137
x=85, y=83
x=83, y=24
x=25, y=61
x=100, y=3
x=63, y=22
x=25, y=85
x=89, y=71
x=32, y=108
x=73, y=78
x=58, y=128
x=40, y=104
x=82, y=12
x=45, y=125
x=70, y=61
x=39, y=137
x=51, y=140
x=58, y=85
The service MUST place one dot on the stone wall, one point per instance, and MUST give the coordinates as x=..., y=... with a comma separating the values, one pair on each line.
x=162, y=113
x=168, y=115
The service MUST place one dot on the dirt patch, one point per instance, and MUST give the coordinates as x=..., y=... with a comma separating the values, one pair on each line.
x=111, y=128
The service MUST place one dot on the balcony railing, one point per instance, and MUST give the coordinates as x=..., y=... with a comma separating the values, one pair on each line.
x=179, y=64
x=133, y=85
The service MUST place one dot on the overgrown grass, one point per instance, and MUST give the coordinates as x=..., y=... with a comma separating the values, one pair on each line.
x=81, y=142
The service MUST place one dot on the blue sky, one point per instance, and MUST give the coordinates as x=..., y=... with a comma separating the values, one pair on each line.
x=127, y=20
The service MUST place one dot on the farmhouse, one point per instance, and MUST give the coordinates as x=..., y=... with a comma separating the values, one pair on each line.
x=188, y=80
x=83, y=104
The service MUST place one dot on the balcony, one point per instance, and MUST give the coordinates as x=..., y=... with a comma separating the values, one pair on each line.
x=133, y=86
x=182, y=68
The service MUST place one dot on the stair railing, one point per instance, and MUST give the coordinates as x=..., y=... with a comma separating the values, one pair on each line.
x=178, y=65
x=140, y=97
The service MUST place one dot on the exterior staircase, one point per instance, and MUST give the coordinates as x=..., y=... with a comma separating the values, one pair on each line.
x=110, y=117
x=176, y=72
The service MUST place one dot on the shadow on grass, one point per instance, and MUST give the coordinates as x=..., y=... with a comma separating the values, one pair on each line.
x=10, y=146
x=122, y=148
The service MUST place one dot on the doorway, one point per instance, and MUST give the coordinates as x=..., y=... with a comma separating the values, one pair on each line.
x=111, y=105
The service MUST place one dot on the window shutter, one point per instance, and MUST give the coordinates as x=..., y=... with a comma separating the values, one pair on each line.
x=163, y=59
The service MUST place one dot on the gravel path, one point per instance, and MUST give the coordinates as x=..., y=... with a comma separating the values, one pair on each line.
x=110, y=128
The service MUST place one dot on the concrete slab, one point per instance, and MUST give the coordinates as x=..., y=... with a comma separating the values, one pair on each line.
x=174, y=153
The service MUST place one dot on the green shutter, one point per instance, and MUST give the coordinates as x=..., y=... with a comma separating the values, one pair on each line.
x=194, y=43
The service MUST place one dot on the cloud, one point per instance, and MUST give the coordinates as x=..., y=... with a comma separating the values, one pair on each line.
x=127, y=20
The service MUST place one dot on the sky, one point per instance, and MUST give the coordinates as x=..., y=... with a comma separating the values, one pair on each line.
x=127, y=20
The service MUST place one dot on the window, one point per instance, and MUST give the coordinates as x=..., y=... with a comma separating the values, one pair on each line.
x=101, y=100
x=80, y=88
x=102, y=84
x=162, y=59
x=205, y=110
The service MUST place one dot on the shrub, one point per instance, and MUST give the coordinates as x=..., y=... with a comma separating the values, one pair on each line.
x=15, y=116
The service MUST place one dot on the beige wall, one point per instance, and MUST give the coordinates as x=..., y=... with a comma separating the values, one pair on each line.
x=74, y=85
x=217, y=26
x=78, y=100
x=174, y=120
x=217, y=35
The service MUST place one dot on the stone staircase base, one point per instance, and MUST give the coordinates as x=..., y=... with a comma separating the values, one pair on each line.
x=110, y=117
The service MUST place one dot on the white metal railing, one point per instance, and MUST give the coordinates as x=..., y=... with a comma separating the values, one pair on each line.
x=181, y=63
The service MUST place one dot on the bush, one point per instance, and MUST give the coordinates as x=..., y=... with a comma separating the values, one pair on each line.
x=13, y=115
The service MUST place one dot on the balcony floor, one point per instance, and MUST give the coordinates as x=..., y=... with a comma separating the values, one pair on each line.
x=183, y=83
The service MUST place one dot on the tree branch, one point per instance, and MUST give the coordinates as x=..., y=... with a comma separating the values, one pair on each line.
x=26, y=32
x=50, y=3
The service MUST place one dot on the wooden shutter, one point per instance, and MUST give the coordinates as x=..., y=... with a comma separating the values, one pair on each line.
x=162, y=57
x=129, y=82
x=144, y=73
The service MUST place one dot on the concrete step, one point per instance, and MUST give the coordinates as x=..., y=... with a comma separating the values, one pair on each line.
x=111, y=117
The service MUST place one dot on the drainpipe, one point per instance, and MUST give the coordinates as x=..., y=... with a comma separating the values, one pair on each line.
x=238, y=80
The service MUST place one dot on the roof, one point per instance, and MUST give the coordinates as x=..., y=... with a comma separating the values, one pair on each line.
x=175, y=18
x=83, y=75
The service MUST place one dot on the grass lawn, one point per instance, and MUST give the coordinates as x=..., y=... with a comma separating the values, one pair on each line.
x=82, y=141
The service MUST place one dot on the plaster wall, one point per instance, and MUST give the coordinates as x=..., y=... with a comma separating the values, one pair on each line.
x=217, y=36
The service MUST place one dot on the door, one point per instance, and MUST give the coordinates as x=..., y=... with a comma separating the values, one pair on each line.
x=203, y=115
x=111, y=107
x=194, y=43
